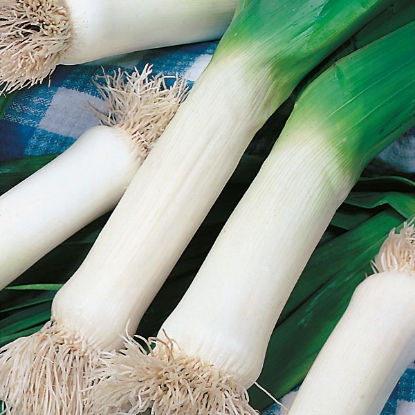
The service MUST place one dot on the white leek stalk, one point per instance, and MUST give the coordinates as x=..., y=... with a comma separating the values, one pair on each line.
x=372, y=344
x=84, y=182
x=257, y=64
x=89, y=178
x=212, y=347
x=37, y=35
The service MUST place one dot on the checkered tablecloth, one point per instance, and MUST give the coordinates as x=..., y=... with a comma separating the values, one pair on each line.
x=47, y=119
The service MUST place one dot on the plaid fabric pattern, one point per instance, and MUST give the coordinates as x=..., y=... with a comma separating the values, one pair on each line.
x=48, y=118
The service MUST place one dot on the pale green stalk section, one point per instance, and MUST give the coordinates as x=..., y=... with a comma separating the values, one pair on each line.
x=36, y=36
x=373, y=343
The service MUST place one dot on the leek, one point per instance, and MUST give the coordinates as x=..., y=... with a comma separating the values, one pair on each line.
x=212, y=347
x=89, y=178
x=37, y=35
x=268, y=48
x=298, y=338
x=373, y=343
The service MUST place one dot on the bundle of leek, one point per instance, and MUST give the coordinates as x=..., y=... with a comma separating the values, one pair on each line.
x=372, y=344
x=212, y=347
x=35, y=36
x=89, y=178
x=265, y=52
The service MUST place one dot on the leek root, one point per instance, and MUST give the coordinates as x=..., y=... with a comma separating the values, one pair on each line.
x=37, y=35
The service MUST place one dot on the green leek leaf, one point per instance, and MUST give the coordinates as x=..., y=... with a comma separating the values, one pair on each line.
x=5, y=101
x=402, y=203
x=37, y=300
x=13, y=172
x=11, y=337
x=24, y=319
x=348, y=218
x=332, y=257
x=35, y=287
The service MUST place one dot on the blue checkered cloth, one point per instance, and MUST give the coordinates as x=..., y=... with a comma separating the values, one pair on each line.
x=48, y=118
